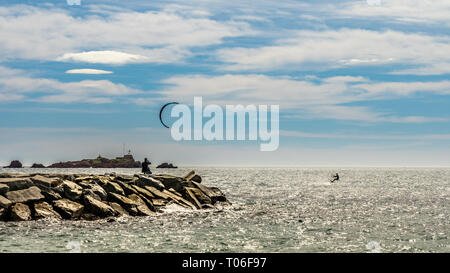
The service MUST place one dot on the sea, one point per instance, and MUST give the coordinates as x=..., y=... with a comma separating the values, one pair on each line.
x=273, y=210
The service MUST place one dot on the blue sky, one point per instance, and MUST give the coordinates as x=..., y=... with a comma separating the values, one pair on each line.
x=359, y=83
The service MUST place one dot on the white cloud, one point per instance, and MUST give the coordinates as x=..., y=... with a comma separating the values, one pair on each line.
x=10, y=97
x=300, y=134
x=102, y=57
x=358, y=113
x=317, y=98
x=412, y=11
x=16, y=85
x=47, y=34
x=88, y=71
x=345, y=47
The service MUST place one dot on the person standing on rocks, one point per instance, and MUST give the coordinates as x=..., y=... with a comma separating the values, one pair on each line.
x=145, y=166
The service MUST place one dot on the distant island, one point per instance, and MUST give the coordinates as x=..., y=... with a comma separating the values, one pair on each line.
x=127, y=161
x=166, y=165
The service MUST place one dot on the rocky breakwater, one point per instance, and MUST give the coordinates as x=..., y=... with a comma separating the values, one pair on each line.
x=93, y=197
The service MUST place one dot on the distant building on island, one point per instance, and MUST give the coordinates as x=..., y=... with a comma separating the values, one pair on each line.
x=127, y=161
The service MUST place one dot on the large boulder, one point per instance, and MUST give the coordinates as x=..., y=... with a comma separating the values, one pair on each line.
x=158, y=202
x=99, y=191
x=118, y=209
x=112, y=187
x=3, y=214
x=45, y=181
x=5, y=202
x=127, y=189
x=16, y=183
x=179, y=200
x=191, y=176
x=215, y=194
x=89, y=192
x=142, y=207
x=43, y=210
x=149, y=181
x=165, y=194
x=98, y=207
x=198, y=197
x=23, y=196
x=68, y=209
x=51, y=194
x=37, y=166
x=123, y=177
x=143, y=192
x=169, y=181
x=128, y=204
x=15, y=164
x=101, y=180
x=4, y=188
x=20, y=212
x=72, y=190
x=157, y=193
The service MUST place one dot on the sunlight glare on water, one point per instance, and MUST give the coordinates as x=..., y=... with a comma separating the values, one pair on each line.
x=274, y=210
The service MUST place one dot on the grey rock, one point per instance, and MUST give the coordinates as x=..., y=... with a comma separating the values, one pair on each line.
x=68, y=209
x=3, y=214
x=142, y=207
x=143, y=192
x=15, y=164
x=112, y=187
x=5, y=202
x=45, y=181
x=17, y=183
x=127, y=189
x=149, y=181
x=129, y=205
x=99, y=191
x=72, y=190
x=193, y=198
x=98, y=207
x=118, y=209
x=24, y=196
x=158, y=202
x=179, y=200
x=123, y=178
x=50, y=194
x=215, y=194
x=3, y=188
x=199, y=195
x=44, y=210
x=89, y=192
x=157, y=193
x=20, y=212
x=191, y=176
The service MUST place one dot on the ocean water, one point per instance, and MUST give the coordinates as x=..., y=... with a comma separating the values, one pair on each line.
x=274, y=210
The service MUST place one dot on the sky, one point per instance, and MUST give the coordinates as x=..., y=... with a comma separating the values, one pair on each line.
x=359, y=83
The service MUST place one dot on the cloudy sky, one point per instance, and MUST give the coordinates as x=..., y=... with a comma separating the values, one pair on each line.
x=359, y=83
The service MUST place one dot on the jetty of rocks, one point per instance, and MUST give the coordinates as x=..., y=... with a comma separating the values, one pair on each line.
x=93, y=197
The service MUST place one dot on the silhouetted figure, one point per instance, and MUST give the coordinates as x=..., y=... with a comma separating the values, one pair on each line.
x=145, y=168
x=335, y=178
